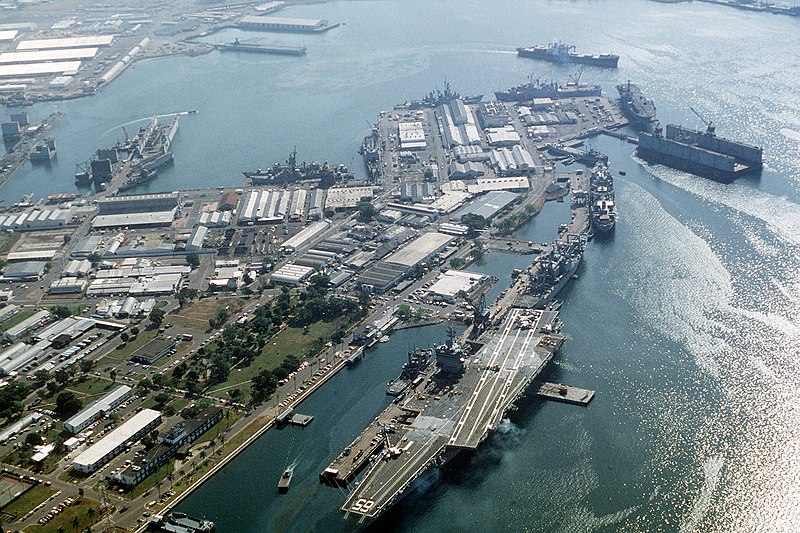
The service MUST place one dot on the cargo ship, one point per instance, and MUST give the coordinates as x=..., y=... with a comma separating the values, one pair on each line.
x=700, y=153
x=538, y=89
x=558, y=52
x=602, y=208
x=290, y=171
x=640, y=111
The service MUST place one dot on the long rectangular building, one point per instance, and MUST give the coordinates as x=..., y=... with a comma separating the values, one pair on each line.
x=65, y=42
x=97, y=409
x=34, y=56
x=39, y=69
x=116, y=441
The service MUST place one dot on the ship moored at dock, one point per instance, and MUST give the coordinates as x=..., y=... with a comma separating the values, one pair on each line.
x=279, y=49
x=641, y=111
x=602, y=208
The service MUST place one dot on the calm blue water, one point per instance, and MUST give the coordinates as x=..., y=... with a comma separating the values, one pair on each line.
x=685, y=321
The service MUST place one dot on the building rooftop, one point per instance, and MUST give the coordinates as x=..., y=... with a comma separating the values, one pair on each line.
x=117, y=437
x=420, y=249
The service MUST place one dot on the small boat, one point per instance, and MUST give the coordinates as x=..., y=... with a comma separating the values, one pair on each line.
x=385, y=338
x=622, y=173
x=285, y=480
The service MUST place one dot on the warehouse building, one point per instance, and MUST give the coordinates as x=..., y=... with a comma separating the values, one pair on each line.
x=228, y=202
x=291, y=274
x=454, y=284
x=340, y=198
x=66, y=42
x=116, y=441
x=381, y=277
x=29, y=324
x=420, y=250
x=66, y=328
x=305, y=236
x=149, y=219
x=21, y=355
x=283, y=24
x=77, y=269
x=138, y=203
x=87, y=246
x=411, y=135
x=197, y=239
x=488, y=205
x=67, y=285
x=97, y=409
x=153, y=351
x=23, y=271
x=505, y=136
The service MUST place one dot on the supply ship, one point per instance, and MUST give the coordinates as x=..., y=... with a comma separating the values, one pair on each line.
x=289, y=172
x=640, y=111
x=538, y=89
x=602, y=210
x=700, y=153
x=558, y=52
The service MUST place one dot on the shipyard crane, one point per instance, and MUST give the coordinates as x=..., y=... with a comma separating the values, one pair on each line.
x=709, y=124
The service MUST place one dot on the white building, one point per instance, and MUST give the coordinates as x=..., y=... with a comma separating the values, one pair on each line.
x=116, y=441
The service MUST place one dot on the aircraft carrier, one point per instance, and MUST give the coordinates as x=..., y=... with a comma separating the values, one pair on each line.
x=456, y=405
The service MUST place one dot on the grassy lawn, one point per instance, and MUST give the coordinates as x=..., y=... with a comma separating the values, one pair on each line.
x=16, y=319
x=117, y=356
x=92, y=386
x=196, y=314
x=64, y=519
x=7, y=241
x=288, y=341
x=33, y=497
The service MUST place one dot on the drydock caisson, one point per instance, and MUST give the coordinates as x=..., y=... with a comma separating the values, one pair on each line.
x=700, y=153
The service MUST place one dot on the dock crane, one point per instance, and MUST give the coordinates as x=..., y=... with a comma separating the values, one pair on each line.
x=710, y=129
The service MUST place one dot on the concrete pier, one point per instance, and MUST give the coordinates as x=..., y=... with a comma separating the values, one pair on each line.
x=563, y=393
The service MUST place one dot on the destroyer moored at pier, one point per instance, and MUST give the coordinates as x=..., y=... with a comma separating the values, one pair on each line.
x=558, y=52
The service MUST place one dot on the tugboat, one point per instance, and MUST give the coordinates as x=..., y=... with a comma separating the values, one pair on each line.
x=286, y=479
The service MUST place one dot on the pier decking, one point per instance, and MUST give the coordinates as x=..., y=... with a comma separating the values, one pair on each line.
x=563, y=393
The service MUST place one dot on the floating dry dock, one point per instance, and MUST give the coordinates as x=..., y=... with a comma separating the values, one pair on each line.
x=280, y=49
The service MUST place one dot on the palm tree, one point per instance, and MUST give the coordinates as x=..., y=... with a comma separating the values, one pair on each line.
x=171, y=478
x=61, y=529
x=113, y=375
x=90, y=514
x=75, y=522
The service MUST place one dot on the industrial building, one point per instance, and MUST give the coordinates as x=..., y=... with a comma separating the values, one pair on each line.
x=291, y=274
x=455, y=283
x=67, y=285
x=37, y=219
x=77, y=269
x=64, y=330
x=39, y=69
x=515, y=183
x=381, y=277
x=116, y=441
x=151, y=219
x=215, y=219
x=23, y=271
x=228, y=202
x=153, y=351
x=305, y=236
x=340, y=198
x=87, y=246
x=138, y=203
x=47, y=55
x=197, y=239
x=21, y=355
x=97, y=409
x=283, y=24
x=492, y=114
x=20, y=330
x=18, y=426
x=423, y=248
x=411, y=135
x=66, y=42
x=488, y=205
x=504, y=136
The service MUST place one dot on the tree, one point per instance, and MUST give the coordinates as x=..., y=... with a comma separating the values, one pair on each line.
x=263, y=384
x=124, y=336
x=366, y=211
x=40, y=377
x=134, y=331
x=62, y=376
x=478, y=249
x=193, y=260
x=457, y=263
x=61, y=311
x=95, y=258
x=33, y=439
x=67, y=404
x=474, y=224
x=113, y=375
x=75, y=522
x=186, y=295
x=90, y=514
x=86, y=365
x=162, y=399
x=156, y=316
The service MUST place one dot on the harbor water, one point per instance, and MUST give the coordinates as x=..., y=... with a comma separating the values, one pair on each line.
x=684, y=320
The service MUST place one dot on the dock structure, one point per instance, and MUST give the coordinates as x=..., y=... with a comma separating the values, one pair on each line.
x=280, y=49
x=563, y=393
x=514, y=246
x=446, y=413
x=300, y=420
